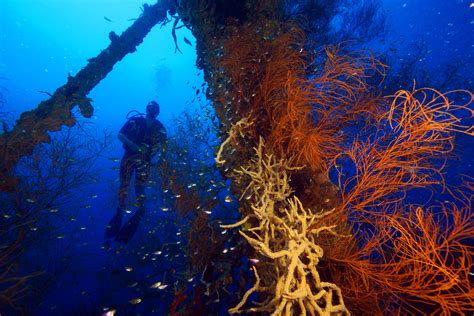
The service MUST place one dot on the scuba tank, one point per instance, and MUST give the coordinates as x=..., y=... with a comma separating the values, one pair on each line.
x=136, y=114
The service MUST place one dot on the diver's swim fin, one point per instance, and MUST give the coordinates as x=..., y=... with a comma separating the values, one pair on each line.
x=129, y=229
x=114, y=225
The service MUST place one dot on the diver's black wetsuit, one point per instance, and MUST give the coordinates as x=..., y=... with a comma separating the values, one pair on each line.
x=152, y=138
x=149, y=138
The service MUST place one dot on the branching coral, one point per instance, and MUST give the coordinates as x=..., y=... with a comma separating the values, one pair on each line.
x=12, y=287
x=276, y=227
x=50, y=180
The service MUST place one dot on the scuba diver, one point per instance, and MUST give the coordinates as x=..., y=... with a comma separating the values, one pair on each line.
x=142, y=138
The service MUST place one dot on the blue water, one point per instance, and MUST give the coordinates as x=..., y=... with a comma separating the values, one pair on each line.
x=42, y=41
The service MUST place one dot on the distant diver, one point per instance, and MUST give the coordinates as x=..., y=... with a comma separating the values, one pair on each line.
x=142, y=138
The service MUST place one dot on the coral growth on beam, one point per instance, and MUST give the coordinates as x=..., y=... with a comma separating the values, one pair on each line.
x=265, y=84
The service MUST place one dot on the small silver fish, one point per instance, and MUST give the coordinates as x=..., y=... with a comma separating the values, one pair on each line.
x=135, y=301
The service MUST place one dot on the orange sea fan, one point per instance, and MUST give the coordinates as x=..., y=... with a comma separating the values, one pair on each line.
x=429, y=259
x=307, y=115
x=342, y=79
x=428, y=110
x=414, y=261
x=411, y=259
x=298, y=116
x=415, y=130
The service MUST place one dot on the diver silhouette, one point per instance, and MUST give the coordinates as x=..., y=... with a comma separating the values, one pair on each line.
x=142, y=137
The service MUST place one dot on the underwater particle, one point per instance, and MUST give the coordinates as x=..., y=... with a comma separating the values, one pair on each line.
x=94, y=196
x=254, y=260
x=164, y=209
x=133, y=284
x=60, y=237
x=135, y=301
x=34, y=228
x=128, y=269
x=157, y=253
x=31, y=201
x=208, y=212
x=6, y=216
x=178, y=233
x=86, y=206
x=225, y=250
x=83, y=228
x=190, y=279
x=155, y=285
x=224, y=232
x=53, y=210
x=162, y=287
x=128, y=211
x=228, y=199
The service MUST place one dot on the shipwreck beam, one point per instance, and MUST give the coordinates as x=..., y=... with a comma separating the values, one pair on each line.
x=33, y=126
